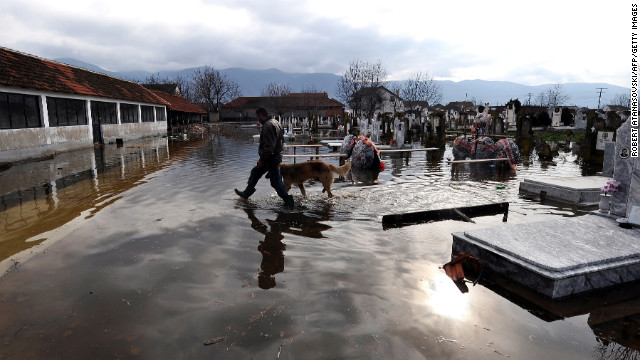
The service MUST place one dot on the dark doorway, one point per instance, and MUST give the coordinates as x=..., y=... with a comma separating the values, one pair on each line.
x=96, y=121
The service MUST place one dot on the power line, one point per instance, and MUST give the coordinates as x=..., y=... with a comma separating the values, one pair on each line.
x=600, y=95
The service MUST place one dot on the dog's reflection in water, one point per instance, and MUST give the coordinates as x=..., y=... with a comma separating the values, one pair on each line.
x=272, y=248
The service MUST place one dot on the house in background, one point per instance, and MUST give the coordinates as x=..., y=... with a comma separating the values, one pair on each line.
x=48, y=107
x=377, y=100
x=168, y=88
x=459, y=114
x=299, y=105
x=180, y=112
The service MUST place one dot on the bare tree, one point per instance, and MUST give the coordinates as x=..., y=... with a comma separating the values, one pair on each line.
x=552, y=96
x=556, y=95
x=359, y=86
x=396, y=88
x=622, y=99
x=419, y=90
x=187, y=89
x=375, y=76
x=540, y=98
x=351, y=84
x=214, y=88
x=155, y=79
x=277, y=95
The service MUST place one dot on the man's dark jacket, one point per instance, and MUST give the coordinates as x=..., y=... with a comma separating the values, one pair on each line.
x=271, y=141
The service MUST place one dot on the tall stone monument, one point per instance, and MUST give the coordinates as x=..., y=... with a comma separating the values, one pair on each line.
x=627, y=171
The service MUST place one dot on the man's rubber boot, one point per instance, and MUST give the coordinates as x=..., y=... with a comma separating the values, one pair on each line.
x=246, y=193
x=288, y=201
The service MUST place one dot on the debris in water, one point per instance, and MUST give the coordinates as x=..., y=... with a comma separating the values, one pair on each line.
x=215, y=340
x=454, y=270
x=444, y=339
x=464, y=213
x=261, y=314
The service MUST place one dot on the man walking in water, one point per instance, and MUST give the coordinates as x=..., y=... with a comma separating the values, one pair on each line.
x=270, y=152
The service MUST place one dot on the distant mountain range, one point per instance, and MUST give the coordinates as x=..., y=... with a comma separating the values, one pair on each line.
x=493, y=92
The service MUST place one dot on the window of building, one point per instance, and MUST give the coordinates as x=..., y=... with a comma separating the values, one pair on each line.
x=128, y=113
x=147, y=113
x=160, y=114
x=18, y=111
x=66, y=112
x=104, y=112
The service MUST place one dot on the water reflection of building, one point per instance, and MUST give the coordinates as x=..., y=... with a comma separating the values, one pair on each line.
x=36, y=197
x=272, y=248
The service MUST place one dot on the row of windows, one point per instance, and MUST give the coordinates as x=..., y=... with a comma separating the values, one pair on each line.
x=66, y=112
x=160, y=114
x=128, y=113
x=18, y=111
x=147, y=113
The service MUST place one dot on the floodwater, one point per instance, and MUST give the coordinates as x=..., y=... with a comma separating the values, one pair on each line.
x=144, y=251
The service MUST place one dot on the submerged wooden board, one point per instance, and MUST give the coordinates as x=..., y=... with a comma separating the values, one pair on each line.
x=304, y=146
x=407, y=150
x=475, y=161
x=396, y=220
x=316, y=156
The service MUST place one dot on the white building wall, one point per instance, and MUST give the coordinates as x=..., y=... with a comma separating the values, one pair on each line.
x=20, y=144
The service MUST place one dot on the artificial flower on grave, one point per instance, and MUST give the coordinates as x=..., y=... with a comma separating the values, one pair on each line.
x=611, y=186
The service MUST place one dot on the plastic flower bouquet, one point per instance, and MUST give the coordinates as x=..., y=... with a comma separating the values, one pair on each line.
x=611, y=187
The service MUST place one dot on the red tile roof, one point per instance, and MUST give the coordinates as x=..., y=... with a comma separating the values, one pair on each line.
x=178, y=103
x=292, y=101
x=31, y=72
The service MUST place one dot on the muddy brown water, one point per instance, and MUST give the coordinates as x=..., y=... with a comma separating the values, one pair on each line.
x=144, y=252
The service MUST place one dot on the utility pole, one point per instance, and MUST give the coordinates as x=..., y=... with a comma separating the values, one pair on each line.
x=599, y=96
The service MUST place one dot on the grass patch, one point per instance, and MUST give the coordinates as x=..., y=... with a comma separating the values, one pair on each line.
x=555, y=136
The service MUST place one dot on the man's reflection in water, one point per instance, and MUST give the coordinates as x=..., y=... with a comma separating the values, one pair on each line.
x=272, y=248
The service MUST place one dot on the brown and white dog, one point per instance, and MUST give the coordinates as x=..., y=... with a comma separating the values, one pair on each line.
x=299, y=173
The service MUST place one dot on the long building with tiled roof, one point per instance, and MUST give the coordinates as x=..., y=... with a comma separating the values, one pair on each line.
x=180, y=111
x=47, y=106
x=296, y=104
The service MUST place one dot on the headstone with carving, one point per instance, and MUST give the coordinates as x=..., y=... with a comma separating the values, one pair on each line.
x=627, y=172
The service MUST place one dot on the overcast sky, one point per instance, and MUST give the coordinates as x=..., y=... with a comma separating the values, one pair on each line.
x=549, y=42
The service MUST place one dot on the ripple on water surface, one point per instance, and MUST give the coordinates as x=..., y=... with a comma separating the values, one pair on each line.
x=164, y=256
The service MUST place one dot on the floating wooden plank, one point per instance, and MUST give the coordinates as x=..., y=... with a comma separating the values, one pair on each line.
x=407, y=150
x=475, y=161
x=463, y=213
x=304, y=146
x=325, y=141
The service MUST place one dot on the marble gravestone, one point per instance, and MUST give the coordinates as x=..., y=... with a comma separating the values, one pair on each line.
x=609, y=157
x=627, y=171
x=375, y=131
x=398, y=132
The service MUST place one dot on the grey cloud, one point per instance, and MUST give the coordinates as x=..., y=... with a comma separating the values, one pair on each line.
x=320, y=45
